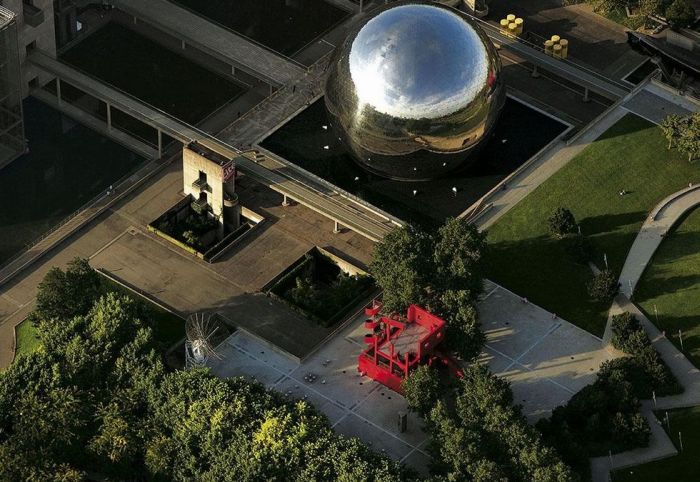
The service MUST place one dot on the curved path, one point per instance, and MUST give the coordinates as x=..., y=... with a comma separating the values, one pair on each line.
x=664, y=216
x=655, y=227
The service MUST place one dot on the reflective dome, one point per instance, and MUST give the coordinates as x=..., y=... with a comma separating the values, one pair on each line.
x=414, y=90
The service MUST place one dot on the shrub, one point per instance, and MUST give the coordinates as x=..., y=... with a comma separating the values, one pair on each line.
x=604, y=286
x=646, y=370
x=680, y=13
x=562, y=222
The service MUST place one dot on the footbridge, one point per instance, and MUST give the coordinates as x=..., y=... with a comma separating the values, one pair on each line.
x=342, y=210
x=219, y=42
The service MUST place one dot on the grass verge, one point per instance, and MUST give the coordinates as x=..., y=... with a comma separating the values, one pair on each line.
x=669, y=291
x=681, y=468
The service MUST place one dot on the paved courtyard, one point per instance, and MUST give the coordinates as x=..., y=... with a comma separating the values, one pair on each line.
x=545, y=359
x=356, y=406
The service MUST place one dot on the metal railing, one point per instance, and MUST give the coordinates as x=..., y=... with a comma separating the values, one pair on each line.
x=91, y=203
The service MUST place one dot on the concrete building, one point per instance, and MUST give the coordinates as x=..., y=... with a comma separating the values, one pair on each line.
x=35, y=23
x=210, y=178
x=12, y=143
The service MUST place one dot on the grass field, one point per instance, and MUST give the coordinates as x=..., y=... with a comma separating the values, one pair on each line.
x=670, y=287
x=682, y=468
x=631, y=155
x=27, y=339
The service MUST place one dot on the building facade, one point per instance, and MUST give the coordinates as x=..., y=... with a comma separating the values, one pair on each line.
x=35, y=29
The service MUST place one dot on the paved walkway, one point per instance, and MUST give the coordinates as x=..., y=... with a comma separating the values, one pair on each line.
x=655, y=227
x=659, y=222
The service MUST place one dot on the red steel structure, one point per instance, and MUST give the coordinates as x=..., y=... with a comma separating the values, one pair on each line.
x=398, y=345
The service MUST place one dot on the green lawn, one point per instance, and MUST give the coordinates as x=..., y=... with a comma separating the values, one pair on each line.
x=682, y=468
x=631, y=155
x=27, y=339
x=670, y=287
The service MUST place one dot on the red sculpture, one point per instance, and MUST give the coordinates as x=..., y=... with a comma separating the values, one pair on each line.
x=398, y=345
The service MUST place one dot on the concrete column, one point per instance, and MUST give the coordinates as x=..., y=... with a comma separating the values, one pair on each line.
x=285, y=201
x=58, y=90
x=233, y=71
x=160, y=144
x=535, y=73
x=183, y=44
x=586, y=93
x=336, y=227
x=109, y=116
x=361, y=5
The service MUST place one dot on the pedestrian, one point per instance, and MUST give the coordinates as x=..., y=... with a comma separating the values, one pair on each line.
x=294, y=89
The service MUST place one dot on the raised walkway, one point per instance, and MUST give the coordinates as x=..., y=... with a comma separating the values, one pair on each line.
x=276, y=176
x=212, y=39
x=586, y=78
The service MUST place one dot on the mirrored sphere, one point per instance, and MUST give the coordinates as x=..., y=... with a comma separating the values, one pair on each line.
x=414, y=90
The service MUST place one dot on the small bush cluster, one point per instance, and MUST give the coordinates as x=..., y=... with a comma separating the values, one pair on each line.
x=645, y=367
x=324, y=302
x=562, y=223
x=604, y=286
x=563, y=227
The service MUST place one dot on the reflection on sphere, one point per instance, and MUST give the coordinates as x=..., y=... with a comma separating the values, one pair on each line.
x=414, y=90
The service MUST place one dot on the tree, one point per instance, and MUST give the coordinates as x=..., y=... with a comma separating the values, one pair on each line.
x=463, y=334
x=562, y=222
x=458, y=255
x=401, y=266
x=607, y=6
x=486, y=437
x=689, y=141
x=672, y=127
x=66, y=294
x=604, y=286
x=422, y=389
x=680, y=13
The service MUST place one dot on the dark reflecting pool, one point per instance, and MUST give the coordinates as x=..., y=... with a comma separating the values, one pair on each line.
x=67, y=166
x=282, y=25
x=309, y=142
x=130, y=62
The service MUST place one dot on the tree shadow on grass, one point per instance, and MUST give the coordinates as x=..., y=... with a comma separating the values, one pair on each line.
x=606, y=223
x=542, y=270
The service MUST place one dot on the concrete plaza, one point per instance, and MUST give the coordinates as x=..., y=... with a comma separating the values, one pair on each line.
x=545, y=359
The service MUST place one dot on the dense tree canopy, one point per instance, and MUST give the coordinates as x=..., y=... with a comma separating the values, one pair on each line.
x=683, y=133
x=680, y=13
x=97, y=398
x=443, y=272
x=484, y=437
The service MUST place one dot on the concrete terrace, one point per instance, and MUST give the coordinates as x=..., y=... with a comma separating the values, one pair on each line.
x=274, y=175
x=219, y=42
x=546, y=360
